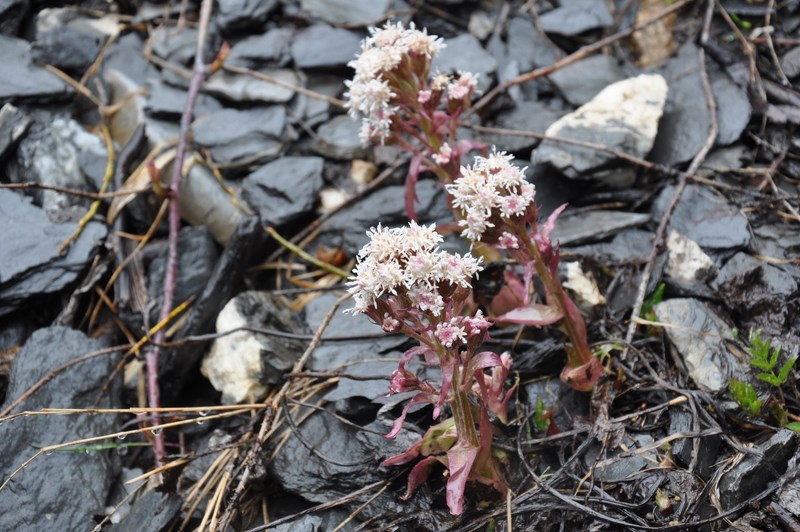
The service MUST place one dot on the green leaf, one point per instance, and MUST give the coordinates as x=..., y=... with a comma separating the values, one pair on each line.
x=794, y=425
x=745, y=396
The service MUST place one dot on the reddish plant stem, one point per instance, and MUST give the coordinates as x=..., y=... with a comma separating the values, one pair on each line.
x=171, y=270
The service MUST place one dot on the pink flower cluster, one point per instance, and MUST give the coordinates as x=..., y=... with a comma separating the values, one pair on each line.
x=487, y=193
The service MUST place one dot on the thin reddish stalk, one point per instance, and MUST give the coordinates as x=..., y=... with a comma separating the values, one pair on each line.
x=171, y=271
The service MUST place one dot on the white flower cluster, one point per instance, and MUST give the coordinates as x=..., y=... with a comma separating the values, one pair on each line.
x=459, y=329
x=370, y=94
x=491, y=187
x=407, y=262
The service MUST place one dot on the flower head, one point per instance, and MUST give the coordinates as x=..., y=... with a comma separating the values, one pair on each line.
x=406, y=262
x=370, y=94
x=490, y=190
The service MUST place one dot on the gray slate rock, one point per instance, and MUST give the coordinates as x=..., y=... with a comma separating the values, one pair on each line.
x=790, y=62
x=338, y=139
x=595, y=225
x=242, y=88
x=321, y=46
x=582, y=80
x=576, y=16
x=241, y=364
x=347, y=228
x=63, y=490
x=176, y=45
x=629, y=246
x=66, y=49
x=318, y=521
x=126, y=55
x=755, y=472
x=465, y=53
x=268, y=49
x=527, y=46
x=683, y=448
x=12, y=13
x=697, y=338
x=619, y=468
x=354, y=452
x=358, y=12
x=526, y=116
x=284, y=189
x=13, y=125
x=704, y=217
x=236, y=15
x=233, y=136
x=166, y=101
x=197, y=255
x=29, y=262
x=49, y=154
x=21, y=80
x=155, y=509
x=684, y=127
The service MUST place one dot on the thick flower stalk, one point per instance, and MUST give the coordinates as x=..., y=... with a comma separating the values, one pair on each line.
x=496, y=206
x=400, y=102
x=406, y=284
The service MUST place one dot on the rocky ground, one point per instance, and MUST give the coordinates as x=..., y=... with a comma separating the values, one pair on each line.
x=680, y=240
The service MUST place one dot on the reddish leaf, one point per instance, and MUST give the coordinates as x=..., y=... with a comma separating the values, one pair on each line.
x=547, y=227
x=419, y=474
x=531, y=315
x=418, y=399
x=584, y=377
x=448, y=366
x=459, y=461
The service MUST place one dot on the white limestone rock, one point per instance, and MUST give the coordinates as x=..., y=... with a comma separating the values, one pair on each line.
x=623, y=116
x=686, y=261
x=243, y=363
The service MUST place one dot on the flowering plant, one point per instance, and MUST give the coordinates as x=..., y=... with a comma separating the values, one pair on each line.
x=496, y=207
x=405, y=283
x=400, y=102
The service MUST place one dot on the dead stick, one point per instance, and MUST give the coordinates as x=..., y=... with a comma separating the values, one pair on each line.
x=579, y=54
x=698, y=159
x=171, y=271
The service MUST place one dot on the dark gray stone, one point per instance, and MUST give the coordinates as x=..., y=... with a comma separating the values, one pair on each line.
x=236, y=15
x=62, y=490
x=244, y=88
x=576, y=16
x=347, y=228
x=619, y=465
x=465, y=53
x=526, y=116
x=166, y=101
x=48, y=154
x=21, y=80
x=355, y=453
x=705, y=217
x=357, y=12
x=197, y=255
x=318, y=521
x=285, y=189
x=13, y=124
x=581, y=81
x=321, y=46
x=683, y=448
x=630, y=246
x=569, y=404
x=338, y=139
x=234, y=135
x=126, y=55
x=790, y=62
x=686, y=121
x=696, y=336
x=155, y=509
x=66, y=49
x=30, y=265
x=268, y=49
x=529, y=47
x=595, y=225
x=176, y=45
x=12, y=13
x=755, y=472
